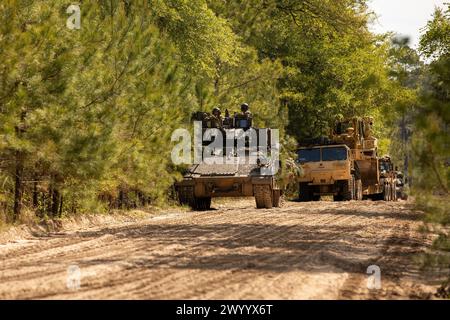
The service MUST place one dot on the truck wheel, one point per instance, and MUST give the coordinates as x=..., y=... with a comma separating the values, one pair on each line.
x=348, y=190
x=304, y=192
x=394, y=192
x=201, y=204
x=377, y=196
x=276, y=198
x=186, y=196
x=358, y=190
x=263, y=196
x=386, y=192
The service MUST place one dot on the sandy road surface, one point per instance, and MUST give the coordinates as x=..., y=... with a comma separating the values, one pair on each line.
x=315, y=250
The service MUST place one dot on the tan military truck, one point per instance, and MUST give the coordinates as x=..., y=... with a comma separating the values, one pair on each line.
x=377, y=173
x=355, y=173
x=328, y=170
x=254, y=175
x=387, y=181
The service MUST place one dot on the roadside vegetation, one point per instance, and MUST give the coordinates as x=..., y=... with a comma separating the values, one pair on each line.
x=431, y=139
x=86, y=115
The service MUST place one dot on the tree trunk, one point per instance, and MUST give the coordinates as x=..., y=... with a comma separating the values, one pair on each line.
x=141, y=199
x=60, y=206
x=35, y=194
x=74, y=207
x=55, y=202
x=43, y=203
x=121, y=199
x=18, y=186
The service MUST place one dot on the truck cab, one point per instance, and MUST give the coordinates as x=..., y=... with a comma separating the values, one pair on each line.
x=328, y=170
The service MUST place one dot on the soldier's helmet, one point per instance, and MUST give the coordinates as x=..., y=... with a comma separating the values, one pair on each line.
x=216, y=110
x=244, y=107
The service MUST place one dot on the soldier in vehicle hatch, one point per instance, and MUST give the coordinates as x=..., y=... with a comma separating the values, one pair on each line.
x=216, y=118
x=244, y=118
x=227, y=121
x=245, y=110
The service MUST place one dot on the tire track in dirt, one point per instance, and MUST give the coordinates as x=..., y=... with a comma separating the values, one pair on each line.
x=312, y=250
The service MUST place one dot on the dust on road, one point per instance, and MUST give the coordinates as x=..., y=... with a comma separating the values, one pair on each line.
x=318, y=250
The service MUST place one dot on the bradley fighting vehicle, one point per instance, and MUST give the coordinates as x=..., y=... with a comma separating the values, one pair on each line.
x=240, y=169
x=346, y=165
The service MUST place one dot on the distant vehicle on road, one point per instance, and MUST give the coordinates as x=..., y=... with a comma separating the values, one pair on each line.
x=346, y=165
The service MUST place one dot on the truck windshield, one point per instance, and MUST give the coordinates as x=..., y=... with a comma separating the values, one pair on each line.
x=384, y=166
x=334, y=154
x=309, y=155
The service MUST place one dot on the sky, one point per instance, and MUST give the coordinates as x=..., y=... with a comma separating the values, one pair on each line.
x=405, y=17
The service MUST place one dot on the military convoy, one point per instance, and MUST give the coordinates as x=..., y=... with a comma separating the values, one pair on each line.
x=241, y=170
x=346, y=165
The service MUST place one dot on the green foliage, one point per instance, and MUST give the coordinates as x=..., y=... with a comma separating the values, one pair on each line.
x=436, y=41
x=333, y=66
x=203, y=38
x=90, y=107
x=432, y=136
x=406, y=72
x=87, y=115
x=431, y=139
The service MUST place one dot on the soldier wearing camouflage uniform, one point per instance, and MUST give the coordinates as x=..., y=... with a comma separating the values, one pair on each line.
x=216, y=118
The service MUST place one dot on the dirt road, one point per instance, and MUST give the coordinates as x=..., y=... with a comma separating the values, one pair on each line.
x=315, y=250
